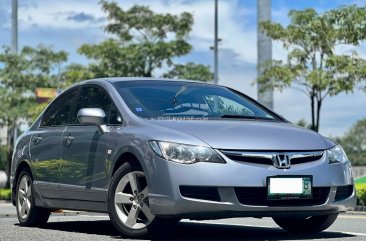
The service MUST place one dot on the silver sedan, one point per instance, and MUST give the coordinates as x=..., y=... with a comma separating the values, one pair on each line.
x=151, y=152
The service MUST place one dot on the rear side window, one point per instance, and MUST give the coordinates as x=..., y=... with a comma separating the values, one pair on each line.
x=59, y=111
x=96, y=97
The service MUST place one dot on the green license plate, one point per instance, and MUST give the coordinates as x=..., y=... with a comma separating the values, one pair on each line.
x=289, y=187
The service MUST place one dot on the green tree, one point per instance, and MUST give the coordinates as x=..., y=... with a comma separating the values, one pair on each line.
x=313, y=66
x=190, y=71
x=303, y=123
x=20, y=74
x=144, y=41
x=354, y=143
x=74, y=73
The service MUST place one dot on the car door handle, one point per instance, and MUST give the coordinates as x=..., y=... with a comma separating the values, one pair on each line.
x=37, y=139
x=68, y=140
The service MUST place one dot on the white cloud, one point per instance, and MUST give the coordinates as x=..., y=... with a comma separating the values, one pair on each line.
x=54, y=14
x=348, y=49
x=238, y=50
x=237, y=74
x=236, y=35
x=338, y=112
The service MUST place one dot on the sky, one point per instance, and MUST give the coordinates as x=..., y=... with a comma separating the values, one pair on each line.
x=67, y=24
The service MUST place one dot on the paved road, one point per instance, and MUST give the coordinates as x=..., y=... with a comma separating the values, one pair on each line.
x=97, y=227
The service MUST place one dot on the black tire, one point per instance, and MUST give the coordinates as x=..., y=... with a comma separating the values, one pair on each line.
x=37, y=216
x=314, y=224
x=151, y=230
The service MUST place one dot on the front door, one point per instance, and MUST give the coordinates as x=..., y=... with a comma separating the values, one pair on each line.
x=83, y=158
x=84, y=152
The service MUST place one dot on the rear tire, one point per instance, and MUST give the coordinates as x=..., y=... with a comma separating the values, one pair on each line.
x=314, y=224
x=28, y=213
x=128, y=204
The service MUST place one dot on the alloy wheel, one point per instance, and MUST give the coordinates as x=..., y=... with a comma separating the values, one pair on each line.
x=131, y=201
x=24, y=197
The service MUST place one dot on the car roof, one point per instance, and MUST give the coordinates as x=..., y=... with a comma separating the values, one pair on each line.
x=137, y=79
x=159, y=80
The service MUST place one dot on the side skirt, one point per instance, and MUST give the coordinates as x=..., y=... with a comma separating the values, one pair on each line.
x=75, y=205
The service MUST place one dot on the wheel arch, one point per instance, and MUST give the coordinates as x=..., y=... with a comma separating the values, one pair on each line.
x=128, y=154
x=23, y=164
x=122, y=159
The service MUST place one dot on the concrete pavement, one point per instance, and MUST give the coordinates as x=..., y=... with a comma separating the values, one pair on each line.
x=7, y=210
x=91, y=226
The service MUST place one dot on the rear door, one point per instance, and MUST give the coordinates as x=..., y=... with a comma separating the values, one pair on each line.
x=45, y=145
x=84, y=150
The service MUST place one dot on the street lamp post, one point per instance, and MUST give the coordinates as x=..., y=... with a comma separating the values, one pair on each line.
x=264, y=48
x=14, y=26
x=216, y=42
x=14, y=44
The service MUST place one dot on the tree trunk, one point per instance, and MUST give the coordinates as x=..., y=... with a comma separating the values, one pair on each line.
x=318, y=108
x=148, y=74
x=312, y=99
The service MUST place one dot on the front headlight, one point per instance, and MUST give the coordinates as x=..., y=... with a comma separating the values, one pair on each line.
x=185, y=154
x=337, y=155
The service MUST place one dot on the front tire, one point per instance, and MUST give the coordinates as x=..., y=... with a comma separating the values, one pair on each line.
x=313, y=224
x=28, y=213
x=128, y=204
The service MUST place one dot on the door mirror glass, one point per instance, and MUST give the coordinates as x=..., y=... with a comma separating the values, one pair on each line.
x=91, y=116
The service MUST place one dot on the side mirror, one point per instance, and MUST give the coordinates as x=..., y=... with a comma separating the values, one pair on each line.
x=92, y=116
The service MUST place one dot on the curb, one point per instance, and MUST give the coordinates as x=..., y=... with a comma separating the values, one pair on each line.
x=353, y=213
x=57, y=213
x=66, y=213
x=8, y=215
x=360, y=208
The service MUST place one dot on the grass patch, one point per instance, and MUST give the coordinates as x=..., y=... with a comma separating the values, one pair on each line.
x=361, y=193
x=5, y=194
x=361, y=180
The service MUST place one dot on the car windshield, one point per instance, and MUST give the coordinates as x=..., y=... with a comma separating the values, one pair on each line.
x=153, y=99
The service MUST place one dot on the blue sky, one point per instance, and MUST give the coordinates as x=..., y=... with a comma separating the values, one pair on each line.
x=67, y=24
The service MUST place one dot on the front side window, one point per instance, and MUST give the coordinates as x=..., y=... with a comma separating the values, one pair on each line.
x=150, y=99
x=58, y=112
x=96, y=97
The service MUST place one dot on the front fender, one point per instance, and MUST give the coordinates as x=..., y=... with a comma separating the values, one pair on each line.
x=143, y=156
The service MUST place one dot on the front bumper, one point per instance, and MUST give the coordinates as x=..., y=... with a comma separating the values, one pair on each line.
x=165, y=179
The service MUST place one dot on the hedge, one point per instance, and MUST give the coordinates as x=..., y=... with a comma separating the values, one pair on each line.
x=5, y=194
x=361, y=193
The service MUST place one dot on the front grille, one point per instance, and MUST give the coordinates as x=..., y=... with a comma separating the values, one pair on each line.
x=254, y=159
x=257, y=196
x=343, y=192
x=305, y=159
x=199, y=192
x=266, y=158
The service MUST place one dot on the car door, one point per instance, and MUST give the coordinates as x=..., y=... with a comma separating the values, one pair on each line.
x=83, y=150
x=45, y=145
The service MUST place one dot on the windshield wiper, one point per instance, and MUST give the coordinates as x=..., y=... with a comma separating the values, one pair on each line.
x=248, y=117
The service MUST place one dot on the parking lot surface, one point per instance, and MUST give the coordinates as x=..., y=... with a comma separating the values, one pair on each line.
x=90, y=226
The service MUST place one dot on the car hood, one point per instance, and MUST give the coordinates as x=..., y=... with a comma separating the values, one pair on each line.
x=249, y=135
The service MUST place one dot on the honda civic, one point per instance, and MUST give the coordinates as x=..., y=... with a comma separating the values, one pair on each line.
x=150, y=152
